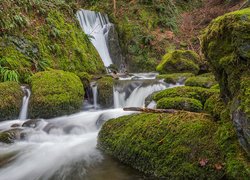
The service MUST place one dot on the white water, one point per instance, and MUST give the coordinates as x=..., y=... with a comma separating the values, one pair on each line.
x=70, y=140
x=95, y=94
x=97, y=25
x=24, y=110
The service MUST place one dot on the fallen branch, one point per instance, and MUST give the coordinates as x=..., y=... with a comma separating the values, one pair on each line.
x=149, y=110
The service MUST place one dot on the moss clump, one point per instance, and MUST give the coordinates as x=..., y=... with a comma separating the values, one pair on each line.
x=105, y=91
x=180, y=103
x=201, y=94
x=226, y=46
x=10, y=136
x=179, y=61
x=215, y=106
x=204, y=80
x=55, y=93
x=11, y=96
x=164, y=145
x=175, y=77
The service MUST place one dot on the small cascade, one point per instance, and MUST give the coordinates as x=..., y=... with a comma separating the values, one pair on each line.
x=95, y=94
x=24, y=110
x=103, y=36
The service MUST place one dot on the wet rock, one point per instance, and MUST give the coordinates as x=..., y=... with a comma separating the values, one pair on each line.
x=15, y=125
x=11, y=135
x=49, y=127
x=32, y=123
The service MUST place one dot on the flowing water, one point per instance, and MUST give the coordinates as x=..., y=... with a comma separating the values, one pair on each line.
x=24, y=109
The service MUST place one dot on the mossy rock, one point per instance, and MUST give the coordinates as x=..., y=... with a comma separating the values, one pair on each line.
x=180, y=103
x=11, y=96
x=215, y=106
x=201, y=94
x=55, y=93
x=226, y=46
x=179, y=61
x=175, y=77
x=205, y=81
x=105, y=92
x=161, y=144
x=10, y=136
x=173, y=146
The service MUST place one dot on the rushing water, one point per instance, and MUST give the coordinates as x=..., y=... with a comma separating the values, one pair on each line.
x=97, y=25
x=24, y=109
x=65, y=147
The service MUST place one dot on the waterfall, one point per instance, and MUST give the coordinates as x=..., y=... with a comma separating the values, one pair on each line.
x=103, y=36
x=24, y=110
x=97, y=26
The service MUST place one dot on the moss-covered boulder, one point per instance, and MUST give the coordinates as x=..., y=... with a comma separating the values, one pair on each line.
x=55, y=93
x=9, y=136
x=201, y=94
x=204, y=80
x=105, y=91
x=179, y=61
x=180, y=103
x=226, y=46
x=175, y=146
x=175, y=77
x=11, y=96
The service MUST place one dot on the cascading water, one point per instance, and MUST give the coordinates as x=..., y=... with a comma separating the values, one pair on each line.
x=95, y=95
x=103, y=36
x=97, y=26
x=24, y=110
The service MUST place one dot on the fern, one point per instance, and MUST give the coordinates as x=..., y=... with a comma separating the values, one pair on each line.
x=9, y=75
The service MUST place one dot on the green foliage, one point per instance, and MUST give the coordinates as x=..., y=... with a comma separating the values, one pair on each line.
x=204, y=80
x=37, y=35
x=55, y=93
x=105, y=91
x=11, y=100
x=179, y=61
x=175, y=77
x=167, y=146
x=201, y=94
x=180, y=103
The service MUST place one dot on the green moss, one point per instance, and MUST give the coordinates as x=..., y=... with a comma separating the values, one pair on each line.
x=180, y=103
x=10, y=136
x=37, y=35
x=205, y=81
x=226, y=45
x=55, y=93
x=179, y=61
x=11, y=97
x=236, y=161
x=175, y=77
x=105, y=91
x=215, y=106
x=201, y=94
x=164, y=145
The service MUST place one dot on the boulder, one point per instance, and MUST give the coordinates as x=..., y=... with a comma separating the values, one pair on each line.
x=11, y=96
x=55, y=93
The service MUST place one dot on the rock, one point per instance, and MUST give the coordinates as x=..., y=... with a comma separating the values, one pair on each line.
x=179, y=61
x=205, y=80
x=175, y=77
x=171, y=146
x=226, y=46
x=215, y=106
x=201, y=94
x=15, y=125
x=180, y=103
x=11, y=135
x=105, y=91
x=32, y=123
x=55, y=93
x=11, y=96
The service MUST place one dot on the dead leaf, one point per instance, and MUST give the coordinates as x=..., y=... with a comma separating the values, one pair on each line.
x=203, y=162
